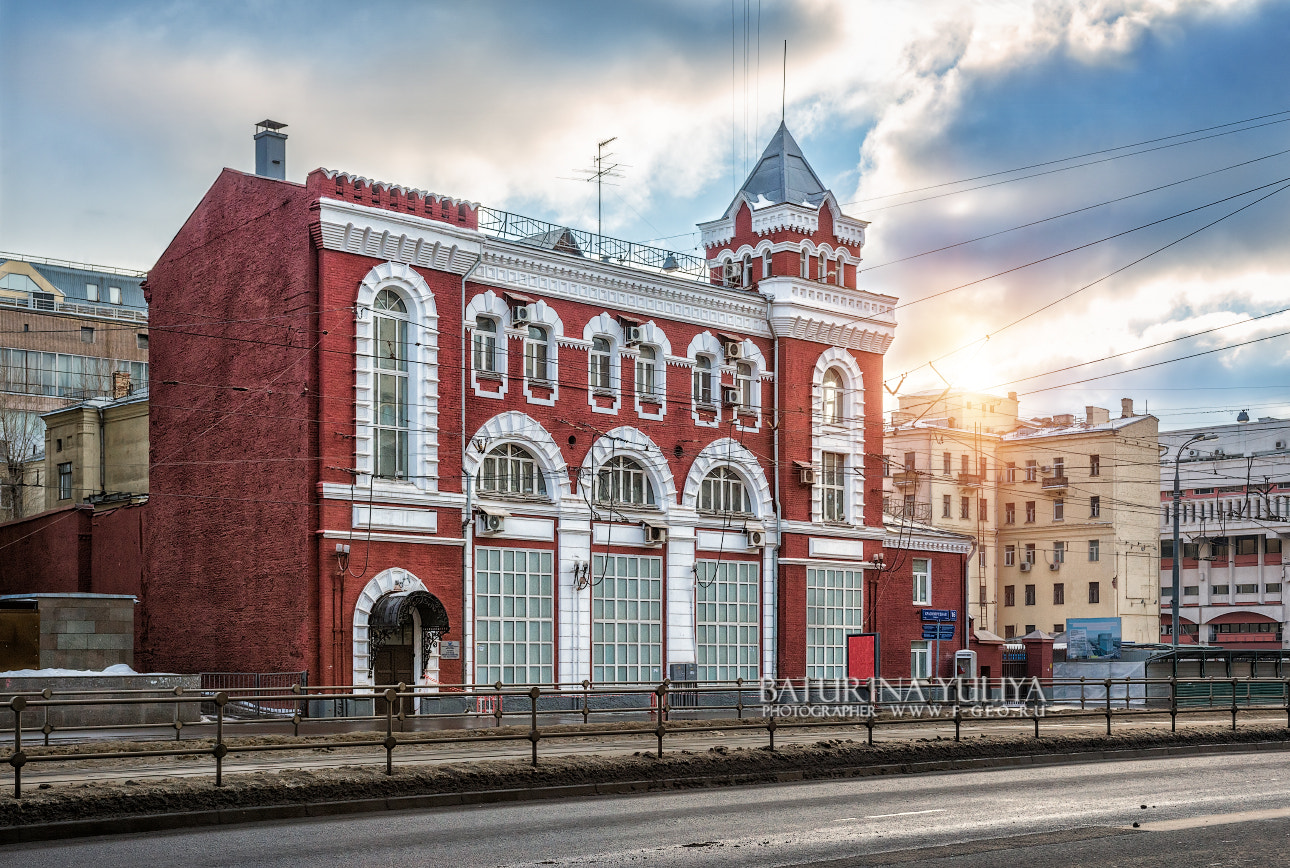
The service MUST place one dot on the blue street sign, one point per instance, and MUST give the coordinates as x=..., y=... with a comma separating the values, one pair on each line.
x=942, y=632
x=940, y=615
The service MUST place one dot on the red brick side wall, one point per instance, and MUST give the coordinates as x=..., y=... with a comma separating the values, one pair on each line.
x=229, y=583
x=899, y=619
x=44, y=552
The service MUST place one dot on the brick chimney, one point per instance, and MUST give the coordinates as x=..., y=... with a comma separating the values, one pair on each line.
x=1126, y=408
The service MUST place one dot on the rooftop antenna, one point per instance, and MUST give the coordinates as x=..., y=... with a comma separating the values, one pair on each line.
x=599, y=174
x=783, y=105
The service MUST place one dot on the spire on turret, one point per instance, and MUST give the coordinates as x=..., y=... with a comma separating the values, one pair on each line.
x=782, y=175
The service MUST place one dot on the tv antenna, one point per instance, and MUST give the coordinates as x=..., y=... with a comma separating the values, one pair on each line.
x=603, y=169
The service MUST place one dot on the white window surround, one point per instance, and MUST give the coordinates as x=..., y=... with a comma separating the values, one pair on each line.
x=847, y=439
x=723, y=452
x=523, y=430
x=493, y=306
x=653, y=336
x=753, y=356
x=382, y=583
x=706, y=344
x=543, y=315
x=423, y=373
x=608, y=327
x=632, y=443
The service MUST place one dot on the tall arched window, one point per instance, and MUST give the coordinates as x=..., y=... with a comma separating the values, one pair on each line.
x=744, y=383
x=723, y=491
x=806, y=265
x=841, y=266
x=600, y=363
x=511, y=469
x=765, y=265
x=747, y=270
x=823, y=274
x=391, y=429
x=703, y=380
x=647, y=371
x=537, y=355
x=623, y=480
x=831, y=393
x=485, y=344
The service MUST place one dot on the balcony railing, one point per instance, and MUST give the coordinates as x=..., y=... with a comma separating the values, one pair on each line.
x=905, y=477
x=970, y=480
x=1055, y=482
x=912, y=511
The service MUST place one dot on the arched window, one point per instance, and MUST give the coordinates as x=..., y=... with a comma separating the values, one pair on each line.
x=744, y=383
x=765, y=265
x=747, y=270
x=391, y=329
x=600, y=363
x=485, y=344
x=647, y=371
x=723, y=491
x=702, y=380
x=623, y=480
x=823, y=274
x=511, y=469
x=831, y=393
x=806, y=265
x=838, y=276
x=536, y=355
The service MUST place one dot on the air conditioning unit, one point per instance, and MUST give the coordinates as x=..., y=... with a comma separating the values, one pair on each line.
x=1045, y=469
x=756, y=538
x=733, y=351
x=730, y=396
x=732, y=274
x=1054, y=567
x=490, y=521
x=808, y=475
x=521, y=315
x=632, y=335
x=1281, y=444
x=655, y=534
x=1025, y=566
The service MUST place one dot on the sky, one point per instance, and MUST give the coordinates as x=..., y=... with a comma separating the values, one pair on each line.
x=1148, y=119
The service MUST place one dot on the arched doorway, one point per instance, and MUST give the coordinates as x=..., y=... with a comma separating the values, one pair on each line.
x=403, y=632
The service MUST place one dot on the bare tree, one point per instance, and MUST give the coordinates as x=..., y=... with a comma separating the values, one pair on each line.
x=21, y=435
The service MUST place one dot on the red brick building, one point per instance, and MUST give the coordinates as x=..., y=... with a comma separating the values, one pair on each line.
x=396, y=435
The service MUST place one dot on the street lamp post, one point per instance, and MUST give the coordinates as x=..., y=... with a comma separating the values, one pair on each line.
x=1177, y=558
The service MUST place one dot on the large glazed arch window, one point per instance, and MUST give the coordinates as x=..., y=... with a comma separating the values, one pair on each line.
x=511, y=470
x=723, y=491
x=623, y=480
x=391, y=327
x=832, y=412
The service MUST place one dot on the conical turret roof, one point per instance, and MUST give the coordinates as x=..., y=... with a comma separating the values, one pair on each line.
x=783, y=175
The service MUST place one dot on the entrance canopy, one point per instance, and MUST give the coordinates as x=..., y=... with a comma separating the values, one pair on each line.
x=395, y=610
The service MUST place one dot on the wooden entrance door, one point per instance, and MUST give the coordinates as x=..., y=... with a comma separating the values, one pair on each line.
x=394, y=664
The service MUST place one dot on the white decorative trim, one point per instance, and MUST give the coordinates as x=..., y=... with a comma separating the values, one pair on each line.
x=846, y=439
x=728, y=452
x=787, y=217
x=380, y=585
x=922, y=544
x=390, y=235
x=630, y=442
x=523, y=430
x=399, y=518
x=545, y=315
x=752, y=354
x=606, y=286
x=652, y=335
x=829, y=314
x=423, y=372
x=348, y=536
x=606, y=326
x=490, y=304
x=705, y=343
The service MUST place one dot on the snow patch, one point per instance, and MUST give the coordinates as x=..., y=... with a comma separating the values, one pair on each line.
x=118, y=669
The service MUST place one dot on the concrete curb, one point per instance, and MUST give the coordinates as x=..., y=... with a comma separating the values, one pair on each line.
x=306, y=810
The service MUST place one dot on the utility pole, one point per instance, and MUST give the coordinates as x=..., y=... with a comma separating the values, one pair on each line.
x=599, y=174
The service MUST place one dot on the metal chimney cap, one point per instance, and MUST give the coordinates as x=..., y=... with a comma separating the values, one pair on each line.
x=270, y=125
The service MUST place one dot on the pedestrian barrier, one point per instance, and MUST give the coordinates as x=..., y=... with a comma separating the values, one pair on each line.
x=536, y=712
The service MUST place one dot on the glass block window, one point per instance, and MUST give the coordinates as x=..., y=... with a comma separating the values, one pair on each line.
x=833, y=609
x=514, y=602
x=726, y=620
x=626, y=619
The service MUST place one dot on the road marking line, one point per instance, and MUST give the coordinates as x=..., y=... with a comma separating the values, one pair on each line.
x=905, y=814
x=1215, y=820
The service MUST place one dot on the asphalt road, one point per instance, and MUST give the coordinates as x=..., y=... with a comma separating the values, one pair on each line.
x=1208, y=811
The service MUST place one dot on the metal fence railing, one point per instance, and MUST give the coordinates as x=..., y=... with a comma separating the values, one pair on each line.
x=245, y=692
x=536, y=712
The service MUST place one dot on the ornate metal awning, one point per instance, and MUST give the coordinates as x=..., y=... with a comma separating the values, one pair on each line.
x=392, y=612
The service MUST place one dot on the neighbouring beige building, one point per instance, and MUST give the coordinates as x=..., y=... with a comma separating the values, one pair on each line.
x=1064, y=509
x=97, y=451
